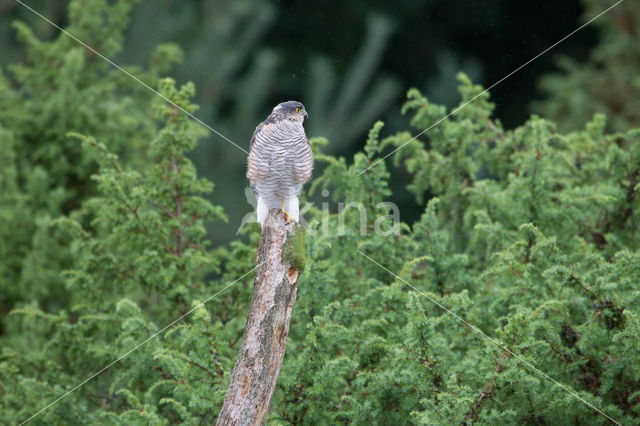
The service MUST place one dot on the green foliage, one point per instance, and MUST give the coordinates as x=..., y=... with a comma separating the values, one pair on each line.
x=529, y=234
x=608, y=82
x=62, y=87
x=532, y=238
x=140, y=260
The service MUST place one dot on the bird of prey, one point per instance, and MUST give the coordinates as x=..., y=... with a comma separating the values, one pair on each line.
x=280, y=160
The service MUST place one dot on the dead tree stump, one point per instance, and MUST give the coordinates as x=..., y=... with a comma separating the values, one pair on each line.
x=281, y=257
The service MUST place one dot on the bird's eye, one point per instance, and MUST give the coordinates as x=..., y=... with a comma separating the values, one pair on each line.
x=297, y=109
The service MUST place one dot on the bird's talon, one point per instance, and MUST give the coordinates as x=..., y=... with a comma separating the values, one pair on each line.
x=287, y=217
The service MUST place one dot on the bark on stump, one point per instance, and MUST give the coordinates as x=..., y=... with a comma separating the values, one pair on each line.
x=280, y=259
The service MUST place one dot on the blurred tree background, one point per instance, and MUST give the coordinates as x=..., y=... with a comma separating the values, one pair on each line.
x=350, y=62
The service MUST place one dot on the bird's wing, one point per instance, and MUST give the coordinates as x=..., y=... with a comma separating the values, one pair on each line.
x=252, y=172
x=308, y=160
x=253, y=136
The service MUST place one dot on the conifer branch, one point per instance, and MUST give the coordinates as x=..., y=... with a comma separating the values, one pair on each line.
x=177, y=198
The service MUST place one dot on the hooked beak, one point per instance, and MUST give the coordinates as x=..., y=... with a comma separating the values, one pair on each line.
x=305, y=114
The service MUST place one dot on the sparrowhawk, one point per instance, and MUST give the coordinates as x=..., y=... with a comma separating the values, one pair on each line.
x=280, y=160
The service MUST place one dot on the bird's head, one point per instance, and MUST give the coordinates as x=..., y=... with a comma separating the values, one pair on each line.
x=290, y=110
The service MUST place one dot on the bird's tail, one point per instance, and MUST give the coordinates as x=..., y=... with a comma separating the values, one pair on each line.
x=262, y=209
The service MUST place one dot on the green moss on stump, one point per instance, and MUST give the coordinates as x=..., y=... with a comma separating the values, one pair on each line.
x=294, y=252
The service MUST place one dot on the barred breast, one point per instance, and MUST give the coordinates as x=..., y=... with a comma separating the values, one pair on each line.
x=280, y=160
